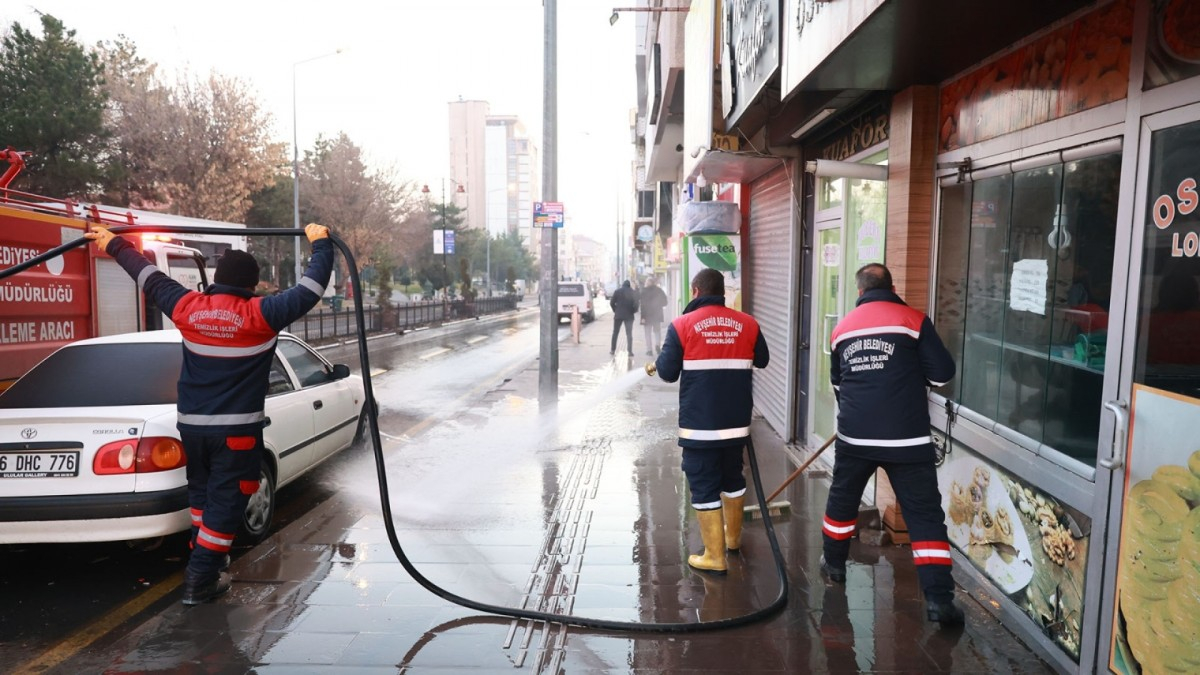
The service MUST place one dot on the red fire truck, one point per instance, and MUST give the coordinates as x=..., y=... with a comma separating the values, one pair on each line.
x=80, y=294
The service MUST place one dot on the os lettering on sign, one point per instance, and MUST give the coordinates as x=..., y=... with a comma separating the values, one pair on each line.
x=1184, y=203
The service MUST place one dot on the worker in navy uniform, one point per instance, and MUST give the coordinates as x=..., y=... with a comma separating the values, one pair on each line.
x=885, y=355
x=712, y=349
x=228, y=345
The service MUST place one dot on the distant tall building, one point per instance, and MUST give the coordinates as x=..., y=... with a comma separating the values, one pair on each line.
x=498, y=165
x=468, y=120
x=512, y=177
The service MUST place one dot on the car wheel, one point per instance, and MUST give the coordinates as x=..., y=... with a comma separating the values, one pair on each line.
x=589, y=317
x=256, y=521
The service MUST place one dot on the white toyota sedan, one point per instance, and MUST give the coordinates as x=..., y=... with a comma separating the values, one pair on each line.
x=89, y=450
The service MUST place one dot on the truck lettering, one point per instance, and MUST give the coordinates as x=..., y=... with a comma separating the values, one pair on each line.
x=18, y=331
x=52, y=331
x=11, y=255
x=27, y=292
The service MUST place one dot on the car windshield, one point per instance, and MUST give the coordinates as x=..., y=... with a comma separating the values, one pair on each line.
x=144, y=373
x=570, y=289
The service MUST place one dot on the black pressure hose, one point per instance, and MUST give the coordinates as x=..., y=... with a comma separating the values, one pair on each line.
x=371, y=411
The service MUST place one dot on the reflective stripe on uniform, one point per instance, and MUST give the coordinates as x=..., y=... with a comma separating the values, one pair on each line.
x=215, y=541
x=145, y=274
x=718, y=364
x=707, y=506
x=221, y=420
x=838, y=529
x=312, y=285
x=931, y=553
x=714, y=434
x=197, y=517
x=876, y=330
x=734, y=495
x=228, y=352
x=886, y=442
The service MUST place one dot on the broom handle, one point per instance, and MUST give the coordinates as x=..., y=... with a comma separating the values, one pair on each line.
x=797, y=472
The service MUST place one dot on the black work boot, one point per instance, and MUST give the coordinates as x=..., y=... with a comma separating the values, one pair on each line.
x=835, y=574
x=200, y=590
x=946, y=613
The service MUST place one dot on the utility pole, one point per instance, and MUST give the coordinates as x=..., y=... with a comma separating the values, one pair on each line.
x=548, y=293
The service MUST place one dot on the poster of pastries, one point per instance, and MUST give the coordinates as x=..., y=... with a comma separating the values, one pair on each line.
x=1077, y=66
x=1157, y=624
x=1029, y=544
x=1173, y=44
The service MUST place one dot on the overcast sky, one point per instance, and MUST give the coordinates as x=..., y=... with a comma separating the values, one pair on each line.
x=403, y=61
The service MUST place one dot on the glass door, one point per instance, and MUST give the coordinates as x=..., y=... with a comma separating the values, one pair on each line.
x=1151, y=590
x=851, y=229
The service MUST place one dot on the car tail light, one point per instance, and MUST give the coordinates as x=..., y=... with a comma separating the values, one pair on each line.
x=150, y=454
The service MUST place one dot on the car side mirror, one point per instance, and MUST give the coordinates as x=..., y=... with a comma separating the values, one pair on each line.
x=341, y=371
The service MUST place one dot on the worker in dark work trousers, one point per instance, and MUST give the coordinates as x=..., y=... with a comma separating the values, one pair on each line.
x=228, y=345
x=712, y=349
x=885, y=355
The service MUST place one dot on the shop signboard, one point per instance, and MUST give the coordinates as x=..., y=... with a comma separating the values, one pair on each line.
x=1032, y=546
x=1157, y=624
x=722, y=252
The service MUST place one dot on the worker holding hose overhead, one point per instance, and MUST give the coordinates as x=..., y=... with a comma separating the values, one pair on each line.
x=711, y=349
x=229, y=339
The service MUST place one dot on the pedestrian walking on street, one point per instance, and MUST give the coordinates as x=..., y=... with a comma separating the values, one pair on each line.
x=711, y=349
x=624, y=304
x=885, y=355
x=228, y=345
x=653, y=303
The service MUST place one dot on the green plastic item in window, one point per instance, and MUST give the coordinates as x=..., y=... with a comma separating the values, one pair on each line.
x=1089, y=348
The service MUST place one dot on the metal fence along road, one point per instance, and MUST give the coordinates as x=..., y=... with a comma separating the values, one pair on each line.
x=332, y=323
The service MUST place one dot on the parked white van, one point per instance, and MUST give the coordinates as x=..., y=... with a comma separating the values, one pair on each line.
x=575, y=294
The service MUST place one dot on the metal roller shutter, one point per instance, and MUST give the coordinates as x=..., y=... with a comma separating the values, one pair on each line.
x=770, y=271
x=112, y=282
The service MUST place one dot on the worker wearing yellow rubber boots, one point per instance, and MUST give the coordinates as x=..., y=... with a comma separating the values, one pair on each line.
x=711, y=350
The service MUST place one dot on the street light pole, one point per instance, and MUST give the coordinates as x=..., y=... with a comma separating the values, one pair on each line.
x=445, y=272
x=296, y=163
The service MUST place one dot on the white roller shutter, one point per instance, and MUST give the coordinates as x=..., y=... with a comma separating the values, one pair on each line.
x=770, y=270
x=117, y=295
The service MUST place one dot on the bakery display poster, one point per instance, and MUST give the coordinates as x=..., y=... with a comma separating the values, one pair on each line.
x=1157, y=624
x=1029, y=544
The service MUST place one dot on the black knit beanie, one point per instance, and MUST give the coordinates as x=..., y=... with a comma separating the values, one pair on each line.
x=238, y=269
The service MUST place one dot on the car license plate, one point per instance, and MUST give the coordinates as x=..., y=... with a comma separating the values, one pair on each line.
x=44, y=464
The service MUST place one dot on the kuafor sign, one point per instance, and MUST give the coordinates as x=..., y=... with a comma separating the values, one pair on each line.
x=47, y=305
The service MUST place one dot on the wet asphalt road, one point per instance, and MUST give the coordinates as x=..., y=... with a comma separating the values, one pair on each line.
x=54, y=595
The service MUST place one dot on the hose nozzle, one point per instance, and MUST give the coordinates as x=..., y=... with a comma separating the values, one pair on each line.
x=651, y=369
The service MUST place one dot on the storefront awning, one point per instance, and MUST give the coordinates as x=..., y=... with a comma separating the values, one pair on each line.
x=721, y=166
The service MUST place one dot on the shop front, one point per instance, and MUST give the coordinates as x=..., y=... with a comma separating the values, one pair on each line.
x=1067, y=282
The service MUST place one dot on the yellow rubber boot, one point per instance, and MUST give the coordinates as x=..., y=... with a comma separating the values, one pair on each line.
x=712, y=532
x=732, y=509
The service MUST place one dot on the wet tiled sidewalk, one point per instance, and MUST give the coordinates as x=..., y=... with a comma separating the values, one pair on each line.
x=581, y=511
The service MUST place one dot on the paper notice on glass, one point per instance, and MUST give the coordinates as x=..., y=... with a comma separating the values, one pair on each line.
x=1028, y=289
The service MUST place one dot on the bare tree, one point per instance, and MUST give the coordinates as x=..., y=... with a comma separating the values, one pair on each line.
x=198, y=148
x=366, y=209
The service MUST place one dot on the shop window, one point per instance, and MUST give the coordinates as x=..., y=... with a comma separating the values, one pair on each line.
x=1169, y=320
x=1024, y=276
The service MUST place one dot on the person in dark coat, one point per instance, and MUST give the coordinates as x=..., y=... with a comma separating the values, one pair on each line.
x=653, y=303
x=885, y=356
x=624, y=305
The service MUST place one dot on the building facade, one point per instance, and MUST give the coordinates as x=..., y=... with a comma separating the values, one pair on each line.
x=1028, y=171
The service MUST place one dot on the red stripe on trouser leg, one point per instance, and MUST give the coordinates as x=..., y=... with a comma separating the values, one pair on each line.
x=197, y=517
x=241, y=442
x=931, y=553
x=839, y=529
x=248, y=487
x=214, y=541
